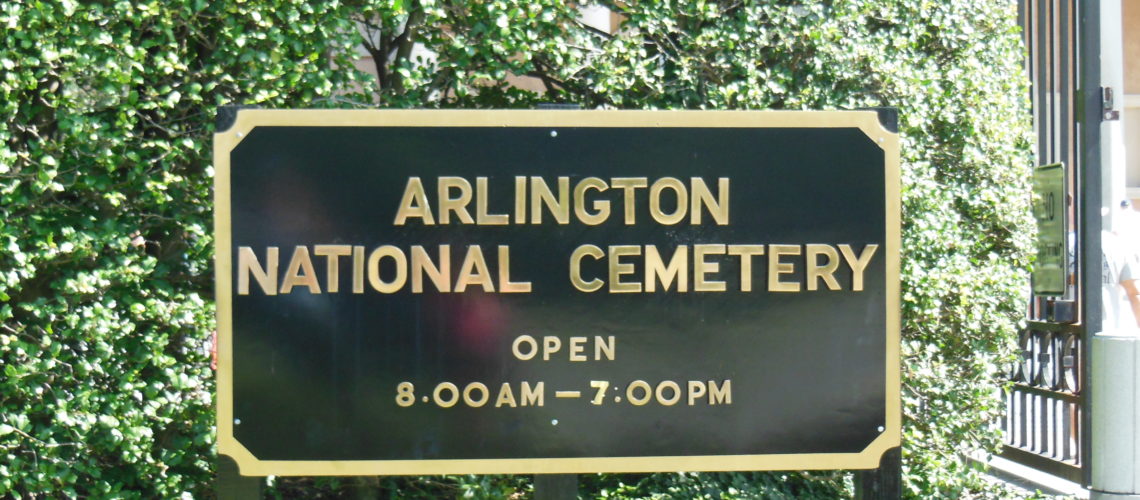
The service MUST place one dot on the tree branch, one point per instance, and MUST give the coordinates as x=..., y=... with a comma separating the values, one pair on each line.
x=406, y=41
x=377, y=45
x=592, y=29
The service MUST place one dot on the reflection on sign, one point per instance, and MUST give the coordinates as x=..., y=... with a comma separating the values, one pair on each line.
x=1049, y=272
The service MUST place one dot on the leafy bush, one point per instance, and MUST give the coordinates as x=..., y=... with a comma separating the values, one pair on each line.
x=105, y=276
x=105, y=224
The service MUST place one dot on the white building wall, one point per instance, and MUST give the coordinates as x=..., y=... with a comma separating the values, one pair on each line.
x=1131, y=101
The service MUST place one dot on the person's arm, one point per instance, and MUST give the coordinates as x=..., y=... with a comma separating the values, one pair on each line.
x=1133, y=293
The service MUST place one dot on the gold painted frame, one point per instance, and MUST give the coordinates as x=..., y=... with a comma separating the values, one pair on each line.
x=247, y=119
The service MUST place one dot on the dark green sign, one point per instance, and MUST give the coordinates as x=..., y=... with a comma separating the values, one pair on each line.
x=1050, y=270
x=423, y=292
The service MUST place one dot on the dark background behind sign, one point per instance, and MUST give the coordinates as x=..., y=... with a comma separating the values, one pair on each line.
x=315, y=375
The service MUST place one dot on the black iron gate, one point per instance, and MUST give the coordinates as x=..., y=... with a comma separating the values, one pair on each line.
x=1044, y=420
x=1047, y=419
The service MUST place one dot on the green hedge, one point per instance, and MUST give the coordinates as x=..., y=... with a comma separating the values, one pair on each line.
x=105, y=226
x=105, y=272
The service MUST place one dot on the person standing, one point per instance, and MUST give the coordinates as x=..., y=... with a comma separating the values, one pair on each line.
x=1120, y=294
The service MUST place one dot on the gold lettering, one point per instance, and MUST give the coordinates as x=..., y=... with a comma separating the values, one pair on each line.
x=520, y=200
x=629, y=185
x=357, y=269
x=505, y=283
x=398, y=258
x=517, y=350
x=858, y=264
x=604, y=347
x=776, y=268
x=332, y=255
x=601, y=207
x=718, y=208
x=266, y=278
x=506, y=396
x=618, y=269
x=638, y=385
x=474, y=271
x=655, y=269
x=422, y=265
x=414, y=203
x=721, y=394
x=746, y=252
x=300, y=272
x=816, y=272
x=576, y=268
x=600, y=392
x=702, y=267
x=577, y=348
x=447, y=204
x=472, y=401
x=696, y=390
x=660, y=393
x=481, y=216
x=655, y=200
x=559, y=208
x=437, y=395
x=532, y=397
x=550, y=345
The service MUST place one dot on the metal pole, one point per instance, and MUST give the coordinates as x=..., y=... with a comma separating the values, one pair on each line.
x=1088, y=189
x=884, y=483
x=231, y=485
x=1114, y=364
x=555, y=487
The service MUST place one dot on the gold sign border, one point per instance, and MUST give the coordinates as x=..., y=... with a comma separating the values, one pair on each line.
x=247, y=119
